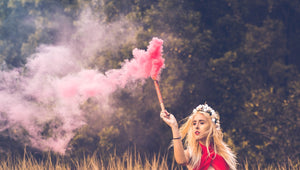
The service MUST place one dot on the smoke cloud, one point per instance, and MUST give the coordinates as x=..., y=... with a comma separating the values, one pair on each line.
x=41, y=102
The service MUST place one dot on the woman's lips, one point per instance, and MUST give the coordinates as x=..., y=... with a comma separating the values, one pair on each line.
x=197, y=133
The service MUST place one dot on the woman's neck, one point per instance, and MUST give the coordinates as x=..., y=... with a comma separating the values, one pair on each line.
x=203, y=142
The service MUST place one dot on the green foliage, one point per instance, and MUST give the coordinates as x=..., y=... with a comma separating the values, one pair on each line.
x=253, y=82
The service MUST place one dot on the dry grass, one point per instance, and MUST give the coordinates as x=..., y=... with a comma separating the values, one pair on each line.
x=129, y=161
x=289, y=165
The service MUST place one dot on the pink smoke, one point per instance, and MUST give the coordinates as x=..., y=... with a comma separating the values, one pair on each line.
x=90, y=83
x=55, y=87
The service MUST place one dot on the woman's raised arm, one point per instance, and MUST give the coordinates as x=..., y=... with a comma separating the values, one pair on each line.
x=180, y=155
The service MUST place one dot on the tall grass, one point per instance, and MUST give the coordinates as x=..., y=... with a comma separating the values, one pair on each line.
x=289, y=165
x=128, y=161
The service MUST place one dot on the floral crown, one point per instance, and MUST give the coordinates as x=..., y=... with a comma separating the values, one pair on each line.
x=215, y=118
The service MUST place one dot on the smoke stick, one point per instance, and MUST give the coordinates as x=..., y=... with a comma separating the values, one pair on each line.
x=159, y=95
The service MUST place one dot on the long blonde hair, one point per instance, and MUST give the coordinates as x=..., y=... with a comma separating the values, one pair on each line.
x=215, y=136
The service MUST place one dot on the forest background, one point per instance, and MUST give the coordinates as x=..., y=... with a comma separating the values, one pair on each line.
x=241, y=57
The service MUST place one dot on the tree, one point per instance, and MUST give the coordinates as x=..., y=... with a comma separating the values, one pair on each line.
x=253, y=83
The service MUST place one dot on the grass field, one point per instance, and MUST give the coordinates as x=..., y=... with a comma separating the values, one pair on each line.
x=129, y=161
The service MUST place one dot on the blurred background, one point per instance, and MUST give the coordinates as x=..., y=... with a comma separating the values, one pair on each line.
x=241, y=57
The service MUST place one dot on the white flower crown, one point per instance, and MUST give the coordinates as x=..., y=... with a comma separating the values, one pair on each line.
x=215, y=118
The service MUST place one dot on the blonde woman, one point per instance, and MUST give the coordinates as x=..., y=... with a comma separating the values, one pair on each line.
x=204, y=148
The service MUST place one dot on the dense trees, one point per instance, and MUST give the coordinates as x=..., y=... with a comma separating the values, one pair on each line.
x=241, y=57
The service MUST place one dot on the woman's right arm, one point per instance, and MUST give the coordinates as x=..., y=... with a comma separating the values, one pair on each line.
x=180, y=155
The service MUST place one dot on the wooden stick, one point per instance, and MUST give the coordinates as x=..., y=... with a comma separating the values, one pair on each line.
x=159, y=95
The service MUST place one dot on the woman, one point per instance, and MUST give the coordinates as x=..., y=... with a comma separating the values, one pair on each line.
x=204, y=148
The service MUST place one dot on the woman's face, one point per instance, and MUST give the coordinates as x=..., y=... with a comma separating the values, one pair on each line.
x=200, y=127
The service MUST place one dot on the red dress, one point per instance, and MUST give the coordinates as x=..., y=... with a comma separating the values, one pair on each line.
x=213, y=160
